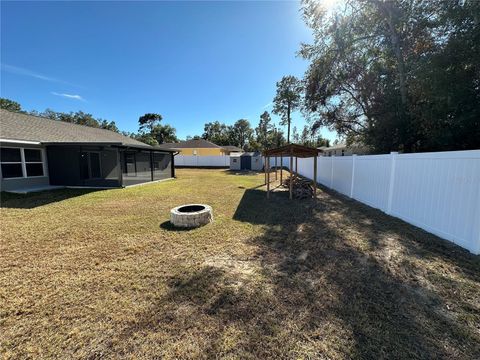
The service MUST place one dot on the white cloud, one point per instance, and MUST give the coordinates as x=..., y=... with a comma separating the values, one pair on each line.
x=69, y=96
x=268, y=105
x=26, y=72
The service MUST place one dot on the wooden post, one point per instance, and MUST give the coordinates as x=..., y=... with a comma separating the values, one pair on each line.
x=276, y=173
x=315, y=177
x=296, y=167
x=281, y=169
x=268, y=177
x=291, y=177
x=265, y=168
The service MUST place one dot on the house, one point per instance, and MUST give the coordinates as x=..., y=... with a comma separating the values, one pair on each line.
x=199, y=147
x=230, y=149
x=343, y=149
x=38, y=153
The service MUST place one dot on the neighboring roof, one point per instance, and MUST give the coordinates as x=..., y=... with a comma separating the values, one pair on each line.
x=333, y=147
x=23, y=127
x=256, y=153
x=232, y=148
x=189, y=144
x=293, y=150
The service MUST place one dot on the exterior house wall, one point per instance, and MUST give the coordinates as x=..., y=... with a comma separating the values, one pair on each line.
x=202, y=151
x=9, y=184
x=338, y=152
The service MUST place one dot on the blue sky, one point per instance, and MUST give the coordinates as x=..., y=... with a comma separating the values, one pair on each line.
x=192, y=62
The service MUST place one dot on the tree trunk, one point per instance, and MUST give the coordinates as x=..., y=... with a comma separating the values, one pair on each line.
x=388, y=12
x=288, y=124
x=398, y=55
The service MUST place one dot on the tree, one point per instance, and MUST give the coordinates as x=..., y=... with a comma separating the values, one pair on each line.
x=10, y=105
x=287, y=99
x=277, y=137
x=148, y=122
x=108, y=125
x=146, y=138
x=216, y=132
x=305, y=137
x=164, y=134
x=395, y=75
x=241, y=133
x=78, y=117
x=295, y=136
x=264, y=130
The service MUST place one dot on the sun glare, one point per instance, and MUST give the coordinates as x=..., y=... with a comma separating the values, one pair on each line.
x=329, y=4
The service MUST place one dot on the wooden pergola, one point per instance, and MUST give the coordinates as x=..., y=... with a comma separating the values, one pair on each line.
x=292, y=151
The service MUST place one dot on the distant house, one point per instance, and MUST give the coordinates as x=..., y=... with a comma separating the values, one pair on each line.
x=343, y=150
x=199, y=147
x=230, y=149
x=37, y=153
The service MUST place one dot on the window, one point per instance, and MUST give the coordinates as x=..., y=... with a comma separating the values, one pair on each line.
x=11, y=163
x=234, y=160
x=33, y=162
x=19, y=162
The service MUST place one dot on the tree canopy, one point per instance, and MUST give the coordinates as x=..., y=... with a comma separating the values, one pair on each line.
x=148, y=121
x=217, y=132
x=152, y=132
x=287, y=99
x=395, y=75
x=11, y=105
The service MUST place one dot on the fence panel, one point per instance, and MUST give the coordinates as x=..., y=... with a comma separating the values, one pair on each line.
x=202, y=161
x=372, y=179
x=440, y=192
x=324, y=171
x=342, y=174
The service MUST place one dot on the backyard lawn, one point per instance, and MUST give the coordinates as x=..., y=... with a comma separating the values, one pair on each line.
x=101, y=274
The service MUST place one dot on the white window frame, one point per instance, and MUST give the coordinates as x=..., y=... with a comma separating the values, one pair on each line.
x=24, y=163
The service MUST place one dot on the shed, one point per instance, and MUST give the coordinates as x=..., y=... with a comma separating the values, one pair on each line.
x=246, y=161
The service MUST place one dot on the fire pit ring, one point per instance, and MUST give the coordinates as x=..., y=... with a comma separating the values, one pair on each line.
x=191, y=215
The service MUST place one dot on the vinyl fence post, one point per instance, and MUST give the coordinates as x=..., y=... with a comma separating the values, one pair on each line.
x=354, y=157
x=393, y=157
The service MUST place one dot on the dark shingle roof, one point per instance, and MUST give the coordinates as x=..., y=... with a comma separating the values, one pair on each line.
x=188, y=144
x=232, y=148
x=17, y=126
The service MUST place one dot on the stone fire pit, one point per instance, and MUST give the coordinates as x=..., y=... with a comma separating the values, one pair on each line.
x=191, y=215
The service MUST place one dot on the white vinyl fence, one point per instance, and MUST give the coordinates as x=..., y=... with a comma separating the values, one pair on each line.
x=438, y=192
x=202, y=161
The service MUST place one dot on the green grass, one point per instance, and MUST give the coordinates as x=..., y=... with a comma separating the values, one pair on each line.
x=100, y=274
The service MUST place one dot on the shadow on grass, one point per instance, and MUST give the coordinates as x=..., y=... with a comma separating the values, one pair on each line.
x=167, y=225
x=242, y=172
x=331, y=278
x=41, y=198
